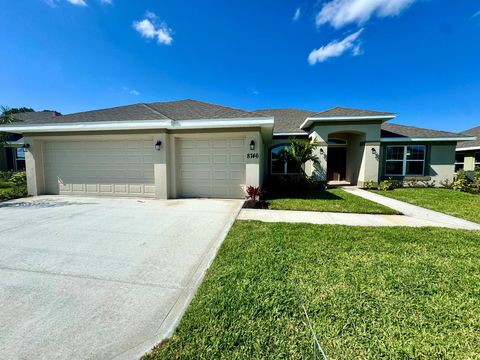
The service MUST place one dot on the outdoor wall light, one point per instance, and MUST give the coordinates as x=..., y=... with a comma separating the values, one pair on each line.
x=322, y=151
x=252, y=145
x=26, y=146
x=374, y=151
x=158, y=145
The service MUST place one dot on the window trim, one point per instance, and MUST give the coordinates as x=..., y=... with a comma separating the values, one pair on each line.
x=285, y=166
x=475, y=162
x=404, y=161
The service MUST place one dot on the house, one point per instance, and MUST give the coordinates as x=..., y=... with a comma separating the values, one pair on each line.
x=468, y=152
x=12, y=154
x=191, y=148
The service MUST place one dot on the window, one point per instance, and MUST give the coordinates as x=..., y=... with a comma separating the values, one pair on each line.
x=405, y=160
x=477, y=159
x=459, y=161
x=279, y=165
x=337, y=142
x=20, y=159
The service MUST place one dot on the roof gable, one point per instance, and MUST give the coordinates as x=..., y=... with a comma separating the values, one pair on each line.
x=287, y=120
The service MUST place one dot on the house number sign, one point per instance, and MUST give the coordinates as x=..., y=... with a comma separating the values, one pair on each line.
x=253, y=156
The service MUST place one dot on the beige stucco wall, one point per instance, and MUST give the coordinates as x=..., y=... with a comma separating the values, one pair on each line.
x=441, y=164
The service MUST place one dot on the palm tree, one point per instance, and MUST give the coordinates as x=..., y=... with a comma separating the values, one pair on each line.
x=300, y=152
x=6, y=117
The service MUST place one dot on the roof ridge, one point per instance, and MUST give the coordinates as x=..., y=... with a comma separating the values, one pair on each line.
x=155, y=111
x=228, y=107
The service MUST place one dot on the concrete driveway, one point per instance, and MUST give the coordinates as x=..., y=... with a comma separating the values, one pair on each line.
x=101, y=278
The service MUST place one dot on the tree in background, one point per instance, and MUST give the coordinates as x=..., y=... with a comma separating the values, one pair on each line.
x=7, y=117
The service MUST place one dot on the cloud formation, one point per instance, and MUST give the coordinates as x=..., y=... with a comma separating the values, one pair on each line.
x=78, y=2
x=297, y=14
x=339, y=13
x=337, y=48
x=151, y=28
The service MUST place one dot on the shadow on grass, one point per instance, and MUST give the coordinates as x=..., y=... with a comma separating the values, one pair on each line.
x=306, y=195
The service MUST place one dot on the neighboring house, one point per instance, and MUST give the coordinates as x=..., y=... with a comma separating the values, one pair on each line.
x=468, y=152
x=12, y=154
x=190, y=148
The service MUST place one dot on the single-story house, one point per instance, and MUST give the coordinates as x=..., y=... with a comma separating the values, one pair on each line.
x=468, y=152
x=190, y=148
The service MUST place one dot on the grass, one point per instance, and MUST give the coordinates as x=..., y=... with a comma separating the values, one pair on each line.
x=332, y=200
x=371, y=293
x=460, y=204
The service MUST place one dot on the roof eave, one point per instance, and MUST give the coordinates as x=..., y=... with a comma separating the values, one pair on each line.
x=310, y=120
x=139, y=125
x=425, y=139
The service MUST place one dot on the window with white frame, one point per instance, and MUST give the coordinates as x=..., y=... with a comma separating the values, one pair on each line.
x=408, y=160
x=279, y=165
x=20, y=159
x=459, y=161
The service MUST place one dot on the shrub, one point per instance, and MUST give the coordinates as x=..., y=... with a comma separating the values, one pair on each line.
x=253, y=193
x=6, y=184
x=447, y=184
x=19, y=179
x=390, y=184
x=369, y=184
x=254, y=198
x=6, y=175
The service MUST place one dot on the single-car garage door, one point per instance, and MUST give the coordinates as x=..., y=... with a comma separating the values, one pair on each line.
x=111, y=167
x=211, y=168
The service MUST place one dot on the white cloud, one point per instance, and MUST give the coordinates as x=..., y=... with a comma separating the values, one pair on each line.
x=339, y=13
x=54, y=3
x=477, y=14
x=151, y=28
x=130, y=91
x=337, y=48
x=107, y=2
x=297, y=14
x=78, y=2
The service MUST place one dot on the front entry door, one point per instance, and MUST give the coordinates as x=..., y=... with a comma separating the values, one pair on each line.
x=336, y=163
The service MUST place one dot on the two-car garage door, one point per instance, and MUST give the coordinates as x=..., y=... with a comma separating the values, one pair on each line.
x=206, y=167
x=109, y=167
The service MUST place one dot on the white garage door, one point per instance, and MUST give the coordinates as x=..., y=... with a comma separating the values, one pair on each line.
x=211, y=168
x=120, y=167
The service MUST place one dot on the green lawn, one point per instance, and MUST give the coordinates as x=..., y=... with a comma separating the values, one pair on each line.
x=464, y=205
x=392, y=293
x=332, y=200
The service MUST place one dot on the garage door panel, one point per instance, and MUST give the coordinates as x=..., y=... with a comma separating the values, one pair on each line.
x=122, y=167
x=211, y=168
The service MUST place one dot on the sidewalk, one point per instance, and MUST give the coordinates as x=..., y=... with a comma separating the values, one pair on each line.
x=414, y=216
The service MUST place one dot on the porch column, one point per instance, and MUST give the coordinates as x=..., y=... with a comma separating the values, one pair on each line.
x=161, y=166
x=34, y=167
x=319, y=170
x=370, y=167
x=253, y=159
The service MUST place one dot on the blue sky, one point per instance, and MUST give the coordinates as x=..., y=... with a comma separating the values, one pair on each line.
x=418, y=58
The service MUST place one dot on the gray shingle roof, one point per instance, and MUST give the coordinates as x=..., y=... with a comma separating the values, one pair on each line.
x=174, y=110
x=394, y=131
x=34, y=117
x=471, y=132
x=194, y=110
x=287, y=120
x=349, y=112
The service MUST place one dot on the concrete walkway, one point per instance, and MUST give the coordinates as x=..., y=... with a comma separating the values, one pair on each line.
x=414, y=216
